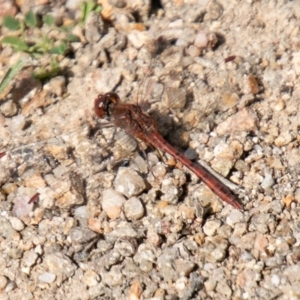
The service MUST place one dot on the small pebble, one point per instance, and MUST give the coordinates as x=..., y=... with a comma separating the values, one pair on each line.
x=235, y=216
x=188, y=213
x=16, y=224
x=184, y=267
x=6, y=229
x=128, y=182
x=81, y=235
x=8, y=109
x=95, y=225
x=29, y=258
x=133, y=209
x=47, y=277
x=250, y=85
x=279, y=105
x=136, y=290
x=93, y=27
x=268, y=182
x=112, y=203
x=21, y=207
x=288, y=200
x=244, y=120
x=114, y=277
x=224, y=289
x=275, y=279
x=90, y=278
x=82, y=212
x=105, y=80
x=137, y=38
x=59, y=264
x=58, y=85
x=181, y=284
x=283, y=139
x=205, y=40
x=210, y=284
x=193, y=51
x=211, y=227
x=38, y=249
x=297, y=195
x=159, y=170
x=3, y=282
x=10, y=287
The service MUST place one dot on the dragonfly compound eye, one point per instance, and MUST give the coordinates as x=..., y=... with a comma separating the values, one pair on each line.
x=104, y=103
x=100, y=106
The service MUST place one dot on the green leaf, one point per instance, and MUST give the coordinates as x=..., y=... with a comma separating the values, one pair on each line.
x=72, y=38
x=60, y=49
x=48, y=20
x=90, y=6
x=98, y=8
x=11, y=73
x=43, y=74
x=15, y=42
x=11, y=23
x=30, y=19
x=49, y=72
x=87, y=7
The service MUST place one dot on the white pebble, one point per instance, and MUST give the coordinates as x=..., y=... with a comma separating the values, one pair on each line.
x=234, y=217
x=90, y=278
x=112, y=203
x=267, y=182
x=133, y=209
x=128, y=182
x=211, y=227
x=47, y=277
x=16, y=224
x=82, y=212
x=275, y=279
x=21, y=207
x=137, y=38
x=201, y=39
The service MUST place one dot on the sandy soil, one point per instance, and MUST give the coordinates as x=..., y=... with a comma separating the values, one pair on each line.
x=147, y=228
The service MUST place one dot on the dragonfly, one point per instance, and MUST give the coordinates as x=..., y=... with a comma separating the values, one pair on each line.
x=137, y=123
x=133, y=119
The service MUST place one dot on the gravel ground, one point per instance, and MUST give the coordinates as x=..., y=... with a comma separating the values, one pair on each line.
x=145, y=227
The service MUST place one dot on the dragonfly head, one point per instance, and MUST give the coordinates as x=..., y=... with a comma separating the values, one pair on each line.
x=104, y=103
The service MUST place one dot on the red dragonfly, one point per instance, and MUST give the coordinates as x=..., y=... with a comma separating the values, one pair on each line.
x=135, y=122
